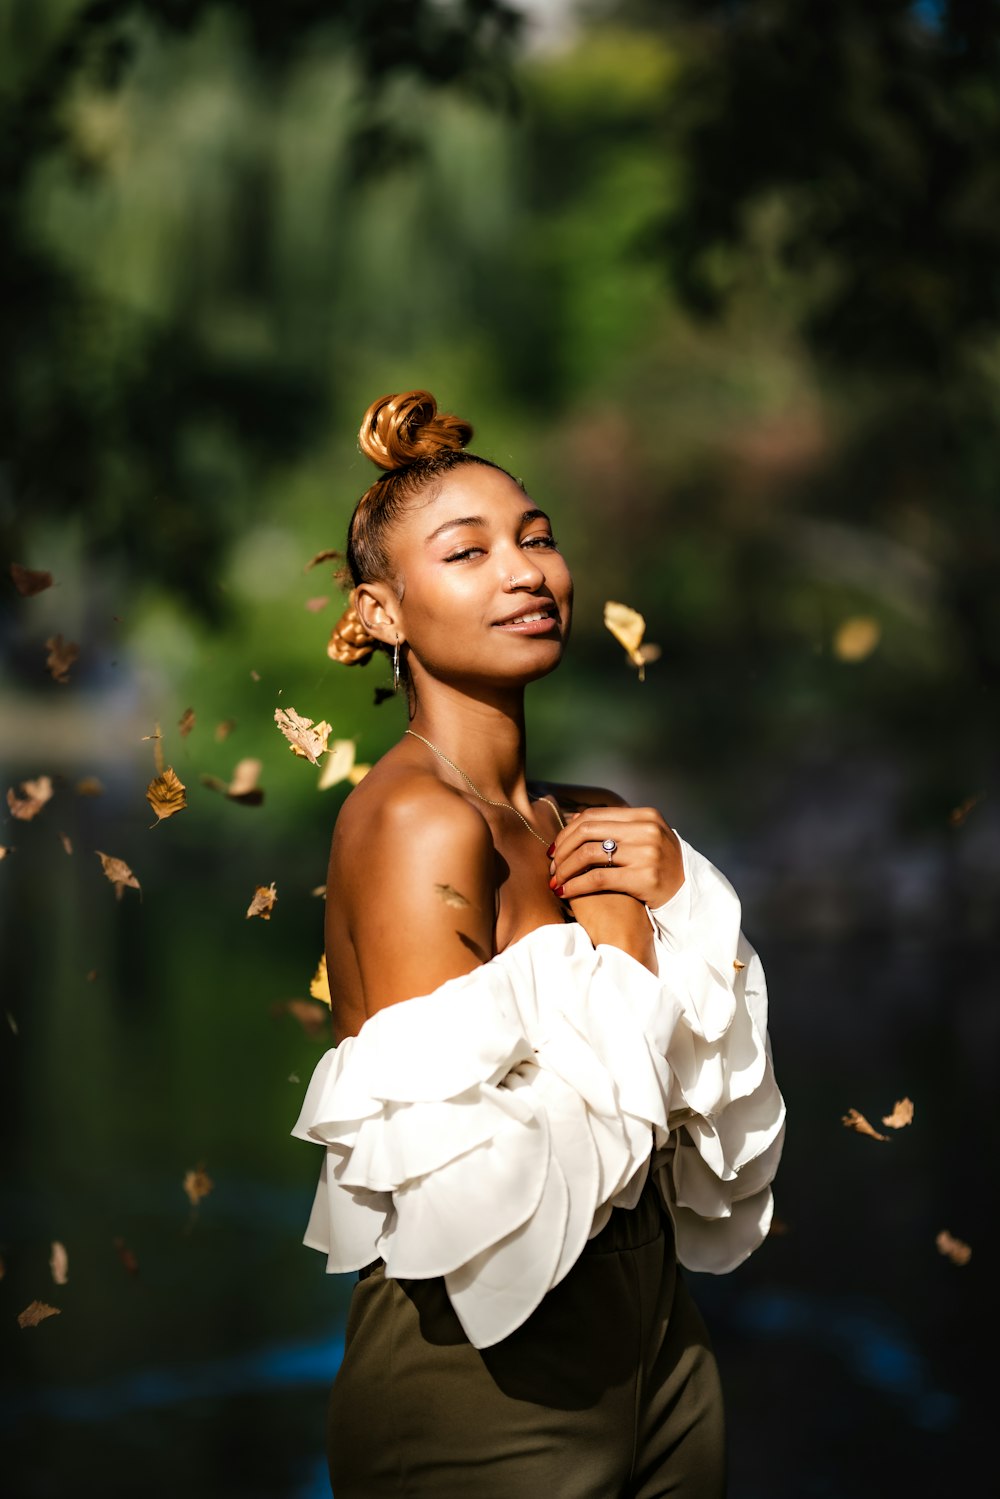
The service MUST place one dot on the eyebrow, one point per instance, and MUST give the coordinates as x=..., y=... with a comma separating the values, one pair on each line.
x=479, y=520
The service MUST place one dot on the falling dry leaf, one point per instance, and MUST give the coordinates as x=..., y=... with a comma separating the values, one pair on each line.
x=90, y=975
x=958, y=814
x=263, y=901
x=186, y=722
x=197, y=1184
x=318, y=890
x=34, y=795
x=855, y=638
x=314, y=1018
x=778, y=1228
x=738, y=965
x=628, y=627
x=243, y=787
x=62, y=654
x=157, y=739
x=224, y=729
x=165, y=794
x=89, y=786
x=325, y=556
x=958, y=1252
x=315, y=605
x=35, y=1313
x=67, y=842
x=319, y=984
x=255, y=674
x=338, y=764
x=10, y=1021
x=118, y=873
x=59, y=1263
x=125, y=1254
x=853, y=1120
x=451, y=896
x=305, y=738
x=902, y=1114
x=28, y=580
x=5, y=849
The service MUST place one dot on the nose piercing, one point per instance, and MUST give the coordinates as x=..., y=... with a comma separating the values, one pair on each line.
x=511, y=584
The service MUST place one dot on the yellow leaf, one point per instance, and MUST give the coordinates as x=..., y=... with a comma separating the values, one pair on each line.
x=853, y=1120
x=956, y=1250
x=319, y=985
x=89, y=786
x=305, y=738
x=314, y=1018
x=958, y=814
x=34, y=796
x=59, y=1263
x=62, y=654
x=338, y=764
x=357, y=773
x=36, y=1312
x=315, y=605
x=186, y=722
x=902, y=1114
x=451, y=896
x=738, y=965
x=263, y=901
x=197, y=1184
x=224, y=729
x=856, y=637
x=6, y=849
x=67, y=843
x=165, y=794
x=628, y=627
x=118, y=873
x=157, y=739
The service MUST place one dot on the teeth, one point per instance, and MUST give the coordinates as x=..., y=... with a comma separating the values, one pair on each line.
x=524, y=619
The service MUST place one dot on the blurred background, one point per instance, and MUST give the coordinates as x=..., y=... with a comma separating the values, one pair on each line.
x=721, y=281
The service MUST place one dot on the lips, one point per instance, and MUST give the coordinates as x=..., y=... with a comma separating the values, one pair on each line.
x=529, y=615
x=541, y=620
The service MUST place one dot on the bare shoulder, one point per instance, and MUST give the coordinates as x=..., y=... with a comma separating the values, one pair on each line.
x=574, y=798
x=396, y=804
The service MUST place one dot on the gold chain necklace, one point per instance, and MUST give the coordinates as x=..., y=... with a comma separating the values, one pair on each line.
x=472, y=785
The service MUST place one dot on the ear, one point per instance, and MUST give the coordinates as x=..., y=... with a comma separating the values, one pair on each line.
x=378, y=611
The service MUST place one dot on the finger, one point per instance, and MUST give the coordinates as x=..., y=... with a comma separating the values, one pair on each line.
x=600, y=881
x=598, y=823
x=588, y=855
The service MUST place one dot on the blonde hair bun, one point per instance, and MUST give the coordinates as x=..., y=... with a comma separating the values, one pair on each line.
x=397, y=430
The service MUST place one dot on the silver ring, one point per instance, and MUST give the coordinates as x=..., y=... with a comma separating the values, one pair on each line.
x=609, y=846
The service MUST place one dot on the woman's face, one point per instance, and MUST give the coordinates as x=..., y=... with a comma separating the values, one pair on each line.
x=456, y=556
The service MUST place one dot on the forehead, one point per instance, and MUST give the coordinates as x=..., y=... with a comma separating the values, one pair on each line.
x=473, y=490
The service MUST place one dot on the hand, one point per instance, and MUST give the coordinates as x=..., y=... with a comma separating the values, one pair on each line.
x=646, y=863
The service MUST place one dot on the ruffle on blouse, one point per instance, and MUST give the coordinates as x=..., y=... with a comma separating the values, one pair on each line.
x=483, y=1132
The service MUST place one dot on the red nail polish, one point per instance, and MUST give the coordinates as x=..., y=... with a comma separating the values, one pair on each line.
x=550, y=850
x=559, y=891
x=552, y=883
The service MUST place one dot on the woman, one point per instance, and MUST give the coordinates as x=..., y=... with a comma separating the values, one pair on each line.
x=552, y=1080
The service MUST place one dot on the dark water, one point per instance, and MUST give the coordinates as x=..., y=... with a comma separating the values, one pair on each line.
x=856, y=1358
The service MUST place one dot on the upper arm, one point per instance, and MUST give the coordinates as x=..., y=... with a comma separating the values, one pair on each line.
x=417, y=879
x=578, y=798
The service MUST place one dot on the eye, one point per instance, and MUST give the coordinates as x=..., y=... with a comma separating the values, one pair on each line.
x=461, y=555
x=548, y=542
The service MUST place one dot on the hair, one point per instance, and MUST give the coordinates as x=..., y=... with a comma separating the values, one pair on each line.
x=415, y=445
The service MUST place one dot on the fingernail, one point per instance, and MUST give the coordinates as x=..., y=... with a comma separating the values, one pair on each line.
x=552, y=883
x=551, y=850
x=559, y=891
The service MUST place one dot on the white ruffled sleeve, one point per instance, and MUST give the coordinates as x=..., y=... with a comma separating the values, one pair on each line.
x=483, y=1132
x=727, y=1127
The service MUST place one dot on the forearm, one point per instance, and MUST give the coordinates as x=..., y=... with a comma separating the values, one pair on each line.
x=618, y=921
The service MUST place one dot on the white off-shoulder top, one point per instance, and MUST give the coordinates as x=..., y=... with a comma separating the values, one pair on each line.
x=483, y=1132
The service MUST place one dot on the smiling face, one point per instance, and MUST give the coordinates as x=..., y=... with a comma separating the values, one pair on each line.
x=454, y=556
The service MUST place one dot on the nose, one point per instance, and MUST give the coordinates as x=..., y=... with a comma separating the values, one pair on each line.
x=526, y=574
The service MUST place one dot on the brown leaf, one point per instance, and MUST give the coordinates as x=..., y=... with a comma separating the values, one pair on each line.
x=197, y=1184
x=325, y=556
x=125, y=1254
x=10, y=1021
x=59, y=1263
x=902, y=1114
x=89, y=786
x=628, y=627
x=90, y=975
x=224, y=729
x=34, y=796
x=855, y=638
x=255, y=674
x=67, y=842
x=958, y=814
x=738, y=965
x=243, y=787
x=315, y=605
x=157, y=739
x=955, y=1249
x=165, y=794
x=263, y=901
x=305, y=738
x=5, y=849
x=28, y=580
x=62, y=654
x=778, y=1228
x=338, y=764
x=451, y=896
x=853, y=1120
x=118, y=873
x=318, y=890
x=319, y=984
x=35, y=1313
x=186, y=722
x=314, y=1018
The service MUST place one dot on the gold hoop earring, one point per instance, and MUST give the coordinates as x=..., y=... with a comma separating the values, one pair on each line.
x=395, y=667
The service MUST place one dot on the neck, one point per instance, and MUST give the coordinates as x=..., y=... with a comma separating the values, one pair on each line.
x=483, y=734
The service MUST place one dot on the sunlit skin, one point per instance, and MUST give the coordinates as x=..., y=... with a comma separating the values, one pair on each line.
x=470, y=553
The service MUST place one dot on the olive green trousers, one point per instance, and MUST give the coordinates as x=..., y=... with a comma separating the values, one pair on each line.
x=608, y=1391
